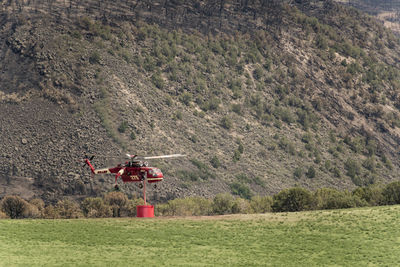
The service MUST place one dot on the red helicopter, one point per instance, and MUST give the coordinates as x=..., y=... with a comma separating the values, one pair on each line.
x=134, y=170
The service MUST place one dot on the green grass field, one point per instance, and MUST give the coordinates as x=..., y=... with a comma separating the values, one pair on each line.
x=354, y=237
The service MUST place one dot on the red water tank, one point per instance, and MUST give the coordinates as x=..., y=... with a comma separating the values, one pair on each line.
x=145, y=211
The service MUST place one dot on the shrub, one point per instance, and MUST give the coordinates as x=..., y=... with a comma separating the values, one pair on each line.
x=260, y=204
x=293, y=199
x=157, y=80
x=298, y=172
x=215, y=162
x=117, y=200
x=236, y=155
x=186, y=98
x=327, y=198
x=258, y=73
x=369, y=164
x=50, y=212
x=67, y=209
x=211, y=104
x=387, y=162
x=237, y=108
x=3, y=215
x=129, y=210
x=321, y=42
x=240, y=147
x=391, y=194
x=94, y=58
x=192, y=206
x=242, y=206
x=310, y=172
x=352, y=167
x=178, y=115
x=95, y=208
x=306, y=138
x=226, y=123
x=39, y=203
x=31, y=211
x=241, y=190
x=13, y=206
x=372, y=194
x=224, y=204
x=123, y=126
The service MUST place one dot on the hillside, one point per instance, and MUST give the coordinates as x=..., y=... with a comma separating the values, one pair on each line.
x=386, y=11
x=260, y=96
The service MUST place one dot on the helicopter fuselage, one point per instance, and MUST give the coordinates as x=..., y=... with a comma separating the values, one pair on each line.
x=131, y=173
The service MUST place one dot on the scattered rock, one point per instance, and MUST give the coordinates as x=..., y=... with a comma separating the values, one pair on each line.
x=24, y=141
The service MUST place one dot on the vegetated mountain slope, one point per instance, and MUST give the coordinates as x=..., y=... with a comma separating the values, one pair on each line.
x=386, y=11
x=259, y=96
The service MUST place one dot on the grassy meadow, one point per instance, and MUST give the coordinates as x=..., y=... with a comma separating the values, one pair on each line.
x=352, y=237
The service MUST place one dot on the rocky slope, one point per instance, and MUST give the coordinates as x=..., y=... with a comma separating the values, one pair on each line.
x=259, y=95
x=386, y=11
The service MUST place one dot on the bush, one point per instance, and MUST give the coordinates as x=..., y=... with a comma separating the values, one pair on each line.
x=258, y=73
x=186, y=98
x=50, y=212
x=298, y=172
x=215, y=162
x=242, y=206
x=95, y=208
x=236, y=155
x=327, y=198
x=211, y=104
x=13, y=206
x=371, y=194
x=226, y=123
x=157, y=80
x=67, y=209
x=310, y=172
x=3, y=215
x=94, y=58
x=123, y=126
x=31, y=211
x=391, y=194
x=39, y=203
x=224, y=204
x=352, y=167
x=117, y=200
x=237, y=108
x=129, y=210
x=192, y=206
x=293, y=199
x=260, y=204
x=241, y=190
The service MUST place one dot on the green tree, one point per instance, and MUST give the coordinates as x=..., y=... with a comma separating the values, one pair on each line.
x=391, y=194
x=215, y=162
x=241, y=190
x=224, y=204
x=310, y=172
x=292, y=199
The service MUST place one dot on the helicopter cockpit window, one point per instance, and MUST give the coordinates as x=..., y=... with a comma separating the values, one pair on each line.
x=154, y=171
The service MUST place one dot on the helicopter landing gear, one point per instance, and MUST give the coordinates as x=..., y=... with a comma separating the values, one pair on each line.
x=116, y=187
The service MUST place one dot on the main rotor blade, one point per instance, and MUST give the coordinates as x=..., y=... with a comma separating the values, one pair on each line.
x=165, y=156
